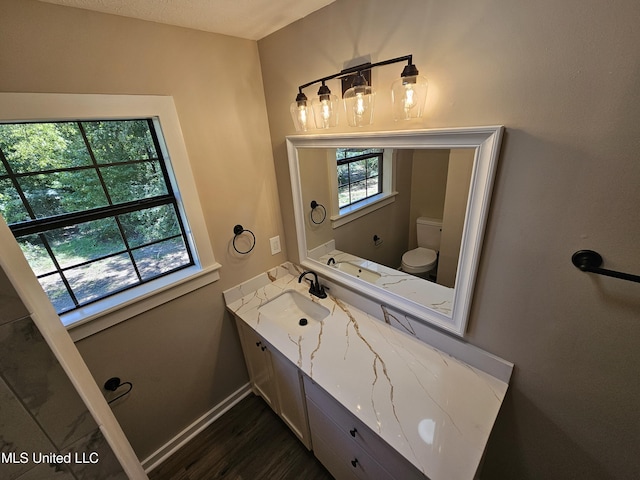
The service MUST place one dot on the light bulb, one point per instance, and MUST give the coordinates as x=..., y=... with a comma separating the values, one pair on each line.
x=409, y=99
x=360, y=108
x=325, y=114
x=326, y=110
x=303, y=116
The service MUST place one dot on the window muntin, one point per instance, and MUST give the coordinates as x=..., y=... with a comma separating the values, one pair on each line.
x=91, y=205
x=359, y=174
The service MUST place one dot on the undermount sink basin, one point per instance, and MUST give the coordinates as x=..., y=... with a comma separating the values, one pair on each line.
x=293, y=311
x=358, y=271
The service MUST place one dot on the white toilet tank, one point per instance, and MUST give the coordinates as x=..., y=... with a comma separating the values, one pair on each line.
x=429, y=231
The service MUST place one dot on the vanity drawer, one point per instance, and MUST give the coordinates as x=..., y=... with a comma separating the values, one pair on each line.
x=359, y=433
x=332, y=461
x=338, y=452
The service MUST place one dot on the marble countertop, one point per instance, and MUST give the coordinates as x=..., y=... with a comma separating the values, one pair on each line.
x=433, y=409
x=416, y=289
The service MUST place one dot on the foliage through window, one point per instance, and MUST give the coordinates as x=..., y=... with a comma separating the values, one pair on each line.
x=91, y=205
x=359, y=174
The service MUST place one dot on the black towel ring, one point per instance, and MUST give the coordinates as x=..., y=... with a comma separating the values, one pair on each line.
x=113, y=384
x=315, y=205
x=239, y=230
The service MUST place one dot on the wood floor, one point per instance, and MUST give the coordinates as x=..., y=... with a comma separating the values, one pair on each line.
x=249, y=442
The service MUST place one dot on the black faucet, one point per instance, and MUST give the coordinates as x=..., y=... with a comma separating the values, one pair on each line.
x=331, y=260
x=315, y=289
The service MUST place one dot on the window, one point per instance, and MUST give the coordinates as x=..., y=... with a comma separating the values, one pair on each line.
x=133, y=201
x=359, y=174
x=91, y=206
x=361, y=180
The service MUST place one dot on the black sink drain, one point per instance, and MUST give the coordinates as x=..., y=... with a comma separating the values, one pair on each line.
x=303, y=322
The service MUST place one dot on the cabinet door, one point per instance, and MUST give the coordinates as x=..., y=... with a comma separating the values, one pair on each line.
x=258, y=364
x=290, y=395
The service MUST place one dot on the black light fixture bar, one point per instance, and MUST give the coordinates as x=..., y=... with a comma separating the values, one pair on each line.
x=357, y=69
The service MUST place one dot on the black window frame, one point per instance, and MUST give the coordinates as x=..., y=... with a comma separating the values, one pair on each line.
x=39, y=226
x=347, y=160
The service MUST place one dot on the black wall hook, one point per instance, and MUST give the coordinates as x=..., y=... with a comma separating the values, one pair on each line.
x=590, y=261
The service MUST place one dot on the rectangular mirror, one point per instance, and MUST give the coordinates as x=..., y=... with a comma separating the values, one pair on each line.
x=398, y=216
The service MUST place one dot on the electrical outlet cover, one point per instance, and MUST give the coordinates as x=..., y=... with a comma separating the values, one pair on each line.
x=275, y=244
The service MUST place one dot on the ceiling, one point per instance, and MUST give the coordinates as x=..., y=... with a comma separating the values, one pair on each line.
x=251, y=19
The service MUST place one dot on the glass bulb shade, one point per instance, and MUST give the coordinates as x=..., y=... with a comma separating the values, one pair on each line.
x=358, y=105
x=302, y=115
x=325, y=110
x=409, y=95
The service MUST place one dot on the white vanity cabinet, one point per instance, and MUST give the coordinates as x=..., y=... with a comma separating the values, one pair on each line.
x=329, y=380
x=348, y=448
x=276, y=380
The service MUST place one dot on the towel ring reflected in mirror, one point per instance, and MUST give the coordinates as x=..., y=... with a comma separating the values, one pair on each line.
x=323, y=212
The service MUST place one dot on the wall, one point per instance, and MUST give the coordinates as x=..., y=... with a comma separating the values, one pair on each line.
x=314, y=175
x=183, y=357
x=428, y=188
x=562, y=77
x=41, y=411
x=455, y=206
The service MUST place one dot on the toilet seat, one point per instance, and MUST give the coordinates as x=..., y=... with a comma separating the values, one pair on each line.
x=419, y=260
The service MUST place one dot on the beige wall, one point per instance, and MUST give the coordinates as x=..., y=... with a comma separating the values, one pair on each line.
x=428, y=188
x=314, y=177
x=183, y=357
x=562, y=77
x=460, y=169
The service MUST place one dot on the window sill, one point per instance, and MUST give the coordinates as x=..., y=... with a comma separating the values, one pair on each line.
x=352, y=212
x=105, y=313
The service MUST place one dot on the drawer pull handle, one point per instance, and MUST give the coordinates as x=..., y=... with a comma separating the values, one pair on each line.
x=263, y=348
x=354, y=462
x=353, y=432
x=258, y=344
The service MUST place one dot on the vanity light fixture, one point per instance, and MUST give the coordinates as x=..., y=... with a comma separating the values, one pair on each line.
x=408, y=94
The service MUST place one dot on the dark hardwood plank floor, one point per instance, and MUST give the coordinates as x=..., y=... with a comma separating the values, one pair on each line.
x=249, y=442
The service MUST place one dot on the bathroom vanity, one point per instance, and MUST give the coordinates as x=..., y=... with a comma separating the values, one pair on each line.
x=359, y=385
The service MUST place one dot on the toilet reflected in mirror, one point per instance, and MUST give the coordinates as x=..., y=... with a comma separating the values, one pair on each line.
x=422, y=261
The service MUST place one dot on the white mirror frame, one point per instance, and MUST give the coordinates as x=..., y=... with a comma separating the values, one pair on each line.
x=486, y=140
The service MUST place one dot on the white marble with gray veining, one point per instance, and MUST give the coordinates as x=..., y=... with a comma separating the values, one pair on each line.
x=433, y=409
x=416, y=289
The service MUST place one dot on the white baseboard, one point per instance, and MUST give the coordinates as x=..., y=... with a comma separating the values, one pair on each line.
x=194, y=429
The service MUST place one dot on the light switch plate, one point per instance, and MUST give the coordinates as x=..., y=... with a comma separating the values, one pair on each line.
x=275, y=244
